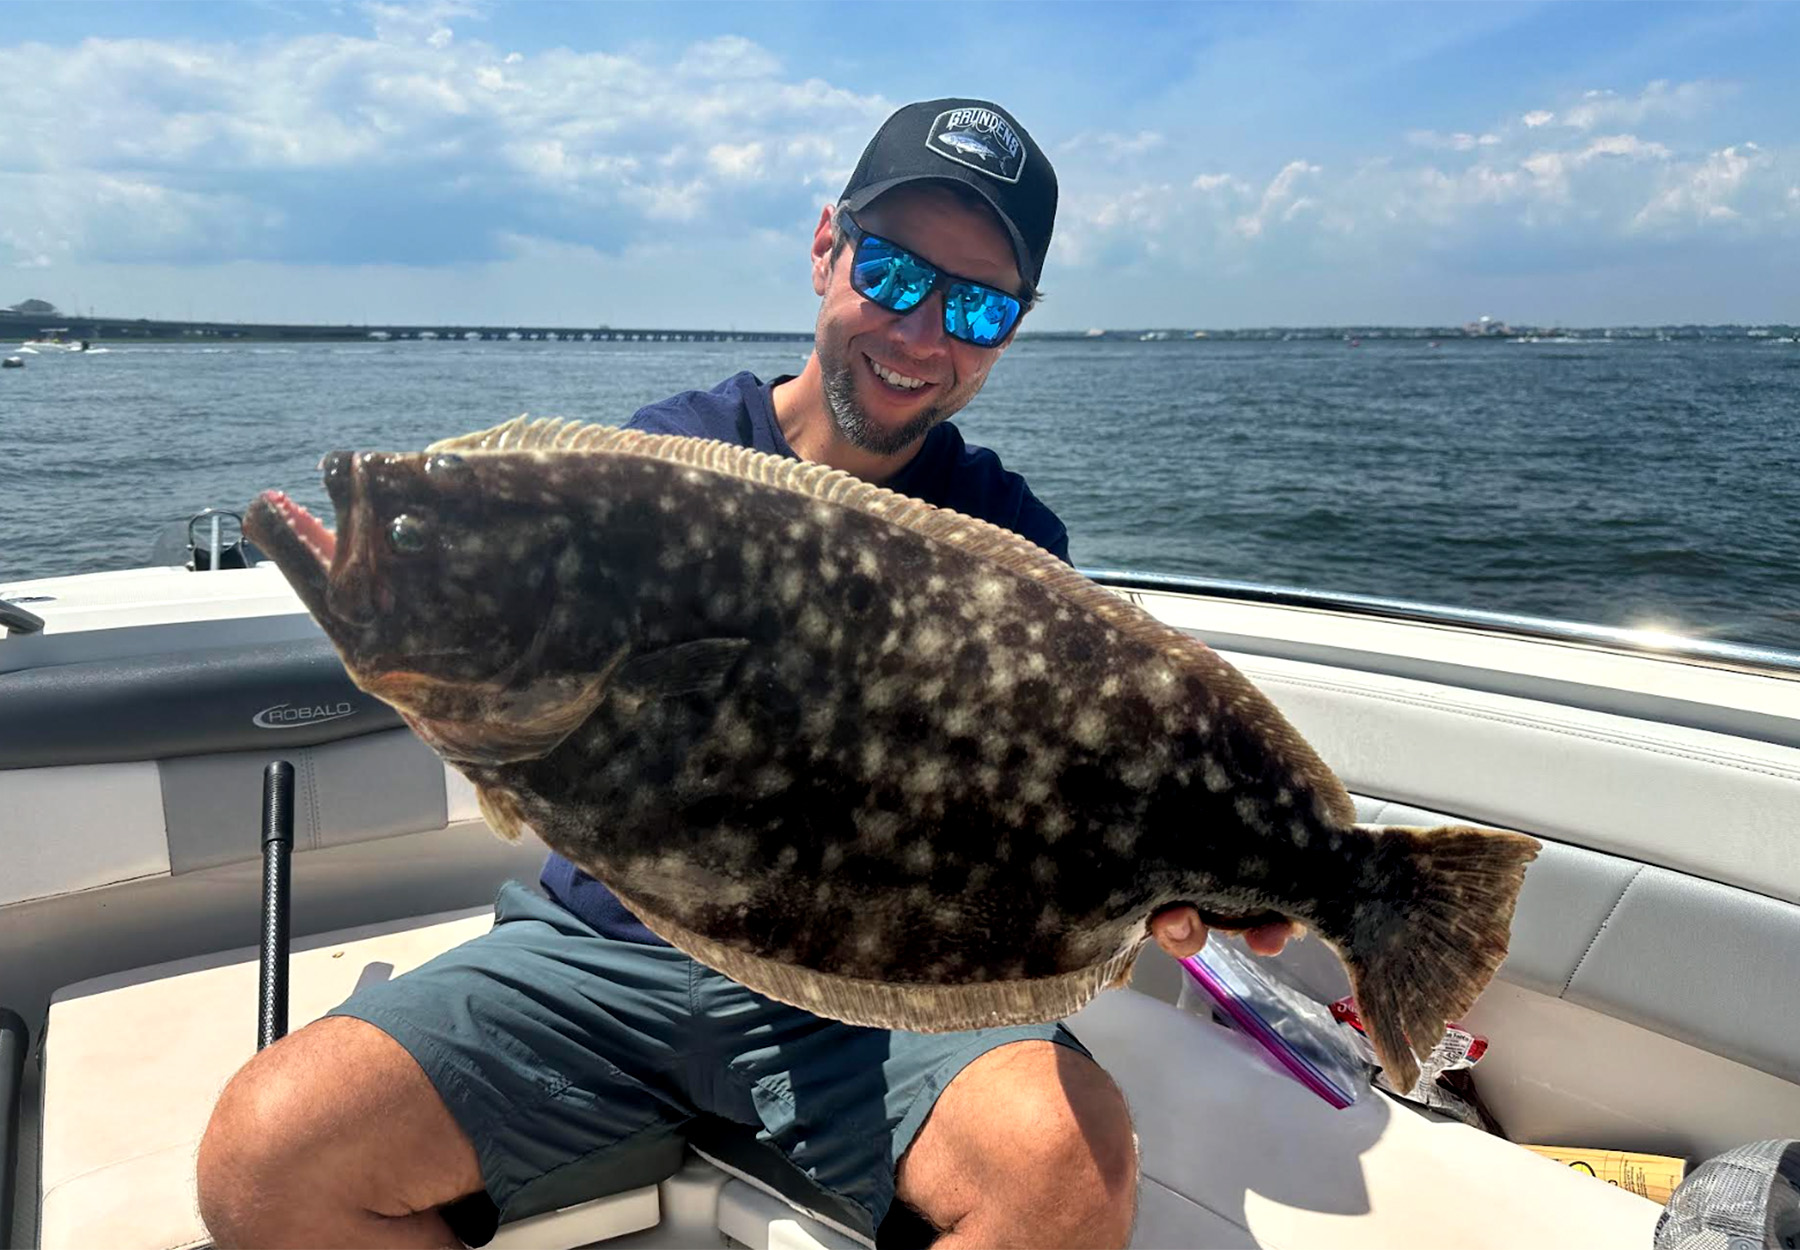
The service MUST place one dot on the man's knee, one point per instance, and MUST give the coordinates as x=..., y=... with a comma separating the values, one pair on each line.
x=337, y=1113
x=1031, y=1141
x=1082, y=1146
x=261, y=1133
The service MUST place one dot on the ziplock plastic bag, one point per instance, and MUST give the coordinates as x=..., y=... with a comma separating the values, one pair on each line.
x=1298, y=1035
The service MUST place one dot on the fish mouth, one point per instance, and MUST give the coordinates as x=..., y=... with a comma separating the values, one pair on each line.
x=299, y=543
x=309, y=553
x=311, y=531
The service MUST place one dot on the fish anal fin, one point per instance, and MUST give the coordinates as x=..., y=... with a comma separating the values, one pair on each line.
x=1425, y=942
x=700, y=667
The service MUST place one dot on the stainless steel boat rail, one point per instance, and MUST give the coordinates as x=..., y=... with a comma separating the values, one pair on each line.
x=1744, y=656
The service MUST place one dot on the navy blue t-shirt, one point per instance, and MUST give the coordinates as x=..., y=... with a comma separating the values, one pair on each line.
x=946, y=472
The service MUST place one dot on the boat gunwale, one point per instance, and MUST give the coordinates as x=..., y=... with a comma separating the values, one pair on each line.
x=1739, y=657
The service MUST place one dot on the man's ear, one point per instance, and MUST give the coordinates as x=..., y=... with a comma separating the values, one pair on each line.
x=821, y=253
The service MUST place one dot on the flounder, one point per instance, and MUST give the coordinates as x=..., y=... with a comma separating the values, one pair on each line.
x=872, y=758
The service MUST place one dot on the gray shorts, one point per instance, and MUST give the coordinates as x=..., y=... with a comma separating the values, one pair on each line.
x=553, y=1046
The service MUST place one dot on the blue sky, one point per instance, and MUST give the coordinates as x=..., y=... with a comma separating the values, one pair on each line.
x=626, y=164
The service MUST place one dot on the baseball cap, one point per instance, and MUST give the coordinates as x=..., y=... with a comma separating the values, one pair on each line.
x=978, y=144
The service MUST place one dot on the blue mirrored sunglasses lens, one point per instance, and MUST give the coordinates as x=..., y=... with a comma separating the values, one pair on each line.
x=979, y=314
x=893, y=278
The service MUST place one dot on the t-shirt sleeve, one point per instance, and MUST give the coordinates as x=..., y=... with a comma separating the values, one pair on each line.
x=657, y=419
x=995, y=494
x=1045, y=528
x=724, y=413
x=671, y=416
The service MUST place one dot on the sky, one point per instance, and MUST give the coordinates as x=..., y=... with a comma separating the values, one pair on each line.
x=663, y=164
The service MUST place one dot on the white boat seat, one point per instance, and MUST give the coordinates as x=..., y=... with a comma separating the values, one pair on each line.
x=134, y=1063
x=1234, y=1153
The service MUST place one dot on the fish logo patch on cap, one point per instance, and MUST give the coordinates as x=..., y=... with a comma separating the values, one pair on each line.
x=980, y=139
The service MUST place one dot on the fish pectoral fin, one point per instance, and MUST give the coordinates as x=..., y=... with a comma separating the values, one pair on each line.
x=500, y=808
x=701, y=667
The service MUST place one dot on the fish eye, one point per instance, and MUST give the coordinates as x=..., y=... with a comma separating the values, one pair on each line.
x=446, y=462
x=408, y=535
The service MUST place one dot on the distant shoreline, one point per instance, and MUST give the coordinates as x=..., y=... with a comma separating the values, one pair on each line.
x=18, y=327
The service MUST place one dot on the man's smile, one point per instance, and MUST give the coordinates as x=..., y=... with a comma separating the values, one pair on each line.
x=896, y=379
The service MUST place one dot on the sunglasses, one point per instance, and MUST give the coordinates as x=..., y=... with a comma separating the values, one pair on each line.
x=886, y=274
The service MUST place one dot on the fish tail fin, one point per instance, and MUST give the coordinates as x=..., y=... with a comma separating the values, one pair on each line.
x=1427, y=940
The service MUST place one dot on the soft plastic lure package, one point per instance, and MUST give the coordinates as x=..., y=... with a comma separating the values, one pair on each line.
x=1298, y=1035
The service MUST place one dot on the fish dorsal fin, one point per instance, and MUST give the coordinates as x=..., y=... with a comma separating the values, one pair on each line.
x=1019, y=555
x=519, y=434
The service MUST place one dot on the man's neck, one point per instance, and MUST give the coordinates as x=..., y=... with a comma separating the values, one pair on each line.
x=806, y=424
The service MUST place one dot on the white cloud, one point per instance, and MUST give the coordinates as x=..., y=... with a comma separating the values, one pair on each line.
x=420, y=102
x=729, y=57
x=1279, y=200
x=1582, y=186
x=423, y=22
x=736, y=162
x=1705, y=193
x=1111, y=145
x=1552, y=169
x=80, y=214
x=1461, y=141
x=1221, y=182
x=1603, y=107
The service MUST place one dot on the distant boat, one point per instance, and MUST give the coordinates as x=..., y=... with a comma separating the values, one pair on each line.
x=13, y=362
x=55, y=340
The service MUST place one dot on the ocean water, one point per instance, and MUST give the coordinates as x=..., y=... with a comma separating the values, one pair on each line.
x=1617, y=482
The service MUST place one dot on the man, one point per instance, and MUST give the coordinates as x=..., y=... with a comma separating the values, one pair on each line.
x=426, y=1108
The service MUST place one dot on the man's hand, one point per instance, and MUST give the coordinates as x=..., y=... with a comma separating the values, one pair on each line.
x=1180, y=932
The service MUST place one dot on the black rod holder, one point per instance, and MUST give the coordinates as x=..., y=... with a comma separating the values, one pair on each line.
x=13, y=1043
x=17, y=620
x=277, y=847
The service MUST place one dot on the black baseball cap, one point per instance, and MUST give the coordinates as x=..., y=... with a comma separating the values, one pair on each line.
x=978, y=144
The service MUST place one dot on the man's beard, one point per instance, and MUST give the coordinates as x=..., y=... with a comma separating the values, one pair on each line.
x=853, y=423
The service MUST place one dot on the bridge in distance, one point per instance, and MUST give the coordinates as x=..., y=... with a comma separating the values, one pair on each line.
x=15, y=326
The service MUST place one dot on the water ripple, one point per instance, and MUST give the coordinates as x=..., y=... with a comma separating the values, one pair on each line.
x=1614, y=483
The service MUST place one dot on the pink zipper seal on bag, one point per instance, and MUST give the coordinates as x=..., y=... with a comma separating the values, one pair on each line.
x=1246, y=1019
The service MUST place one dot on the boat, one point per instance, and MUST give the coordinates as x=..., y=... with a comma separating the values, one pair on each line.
x=13, y=362
x=55, y=339
x=1646, y=1004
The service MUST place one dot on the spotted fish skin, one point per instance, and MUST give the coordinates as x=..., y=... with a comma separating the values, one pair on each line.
x=860, y=753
